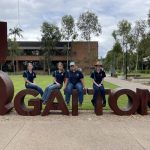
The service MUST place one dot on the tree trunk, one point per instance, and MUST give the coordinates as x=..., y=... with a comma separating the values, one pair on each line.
x=68, y=57
x=14, y=65
x=137, y=59
x=48, y=67
x=123, y=63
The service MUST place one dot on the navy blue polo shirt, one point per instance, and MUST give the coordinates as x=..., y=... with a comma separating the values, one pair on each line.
x=74, y=77
x=60, y=76
x=30, y=76
x=98, y=77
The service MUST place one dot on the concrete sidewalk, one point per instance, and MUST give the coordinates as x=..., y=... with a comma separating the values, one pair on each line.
x=126, y=84
x=85, y=132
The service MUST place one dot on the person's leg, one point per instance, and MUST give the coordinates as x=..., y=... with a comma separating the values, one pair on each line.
x=79, y=88
x=102, y=90
x=45, y=93
x=68, y=92
x=35, y=87
x=39, y=90
x=96, y=90
x=49, y=90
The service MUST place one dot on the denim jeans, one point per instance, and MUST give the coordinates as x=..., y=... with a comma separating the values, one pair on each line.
x=49, y=90
x=96, y=91
x=34, y=87
x=69, y=89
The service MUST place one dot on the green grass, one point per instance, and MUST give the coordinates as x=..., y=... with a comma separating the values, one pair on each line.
x=44, y=80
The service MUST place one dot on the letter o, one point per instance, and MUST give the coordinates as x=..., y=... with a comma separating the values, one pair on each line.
x=132, y=98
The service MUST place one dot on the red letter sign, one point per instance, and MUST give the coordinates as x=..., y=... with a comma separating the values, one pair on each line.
x=6, y=93
x=3, y=41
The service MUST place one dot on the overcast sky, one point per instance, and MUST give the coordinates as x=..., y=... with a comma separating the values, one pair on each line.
x=34, y=12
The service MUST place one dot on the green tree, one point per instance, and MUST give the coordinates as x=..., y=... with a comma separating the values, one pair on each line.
x=68, y=31
x=123, y=36
x=89, y=25
x=138, y=34
x=148, y=20
x=14, y=47
x=117, y=51
x=50, y=37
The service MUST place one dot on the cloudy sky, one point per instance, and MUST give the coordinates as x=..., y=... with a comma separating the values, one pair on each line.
x=34, y=12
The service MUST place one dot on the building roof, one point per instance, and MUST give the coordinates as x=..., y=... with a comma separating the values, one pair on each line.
x=39, y=44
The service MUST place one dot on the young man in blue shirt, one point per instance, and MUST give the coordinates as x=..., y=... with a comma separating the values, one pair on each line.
x=74, y=80
x=98, y=76
x=29, y=76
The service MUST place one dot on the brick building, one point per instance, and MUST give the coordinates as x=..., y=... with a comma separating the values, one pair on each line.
x=32, y=51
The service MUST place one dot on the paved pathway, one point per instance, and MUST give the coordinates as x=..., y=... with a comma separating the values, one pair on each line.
x=85, y=132
x=126, y=84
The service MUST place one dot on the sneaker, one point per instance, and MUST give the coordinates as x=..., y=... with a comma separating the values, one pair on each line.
x=68, y=104
x=92, y=101
x=80, y=104
x=104, y=104
x=44, y=103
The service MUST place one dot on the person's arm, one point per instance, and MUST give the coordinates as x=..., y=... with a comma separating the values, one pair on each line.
x=27, y=81
x=104, y=75
x=54, y=78
x=92, y=76
x=66, y=79
x=25, y=78
x=34, y=79
x=66, y=82
x=83, y=83
x=82, y=79
x=101, y=82
x=95, y=83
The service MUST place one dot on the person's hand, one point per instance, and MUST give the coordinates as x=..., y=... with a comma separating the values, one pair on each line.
x=100, y=85
x=33, y=83
x=64, y=88
x=58, y=84
x=97, y=85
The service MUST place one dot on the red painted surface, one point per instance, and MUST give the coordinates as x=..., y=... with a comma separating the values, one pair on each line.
x=3, y=42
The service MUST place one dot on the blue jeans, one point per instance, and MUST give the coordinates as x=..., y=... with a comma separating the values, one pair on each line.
x=96, y=91
x=69, y=89
x=49, y=90
x=34, y=87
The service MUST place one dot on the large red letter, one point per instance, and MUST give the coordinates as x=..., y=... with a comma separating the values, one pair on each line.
x=98, y=107
x=6, y=93
x=3, y=41
x=144, y=98
x=56, y=106
x=132, y=105
x=20, y=105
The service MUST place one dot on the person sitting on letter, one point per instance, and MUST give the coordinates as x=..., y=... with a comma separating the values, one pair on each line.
x=29, y=76
x=74, y=80
x=59, y=77
x=98, y=75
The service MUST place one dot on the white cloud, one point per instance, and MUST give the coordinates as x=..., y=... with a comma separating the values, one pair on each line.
x=110, y=12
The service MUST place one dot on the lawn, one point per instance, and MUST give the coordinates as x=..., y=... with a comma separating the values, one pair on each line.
x=44, y=80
